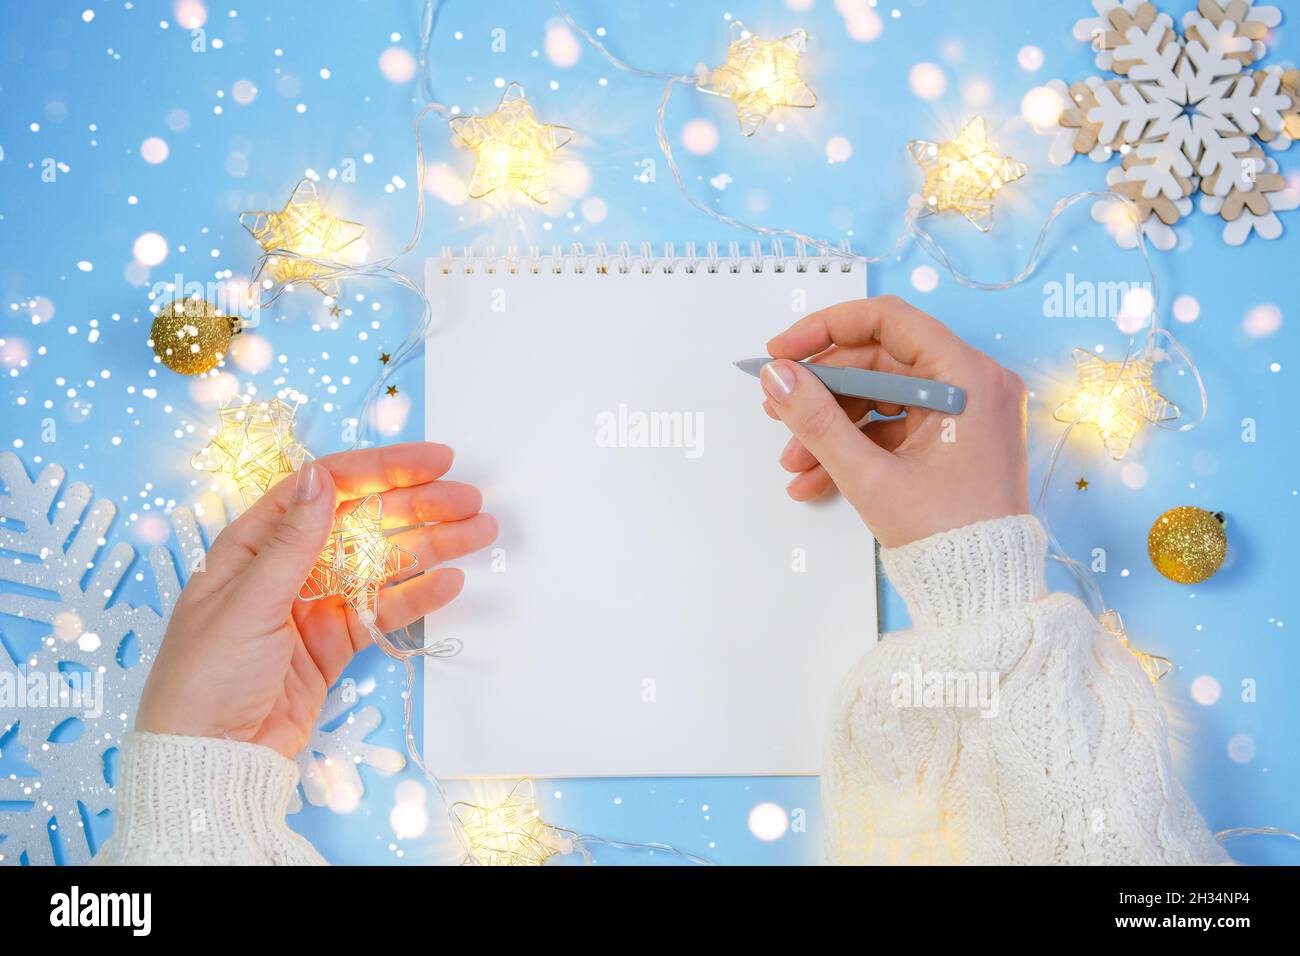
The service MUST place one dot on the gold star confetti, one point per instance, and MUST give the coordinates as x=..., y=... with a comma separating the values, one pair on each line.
x=1153, y=665
x=1082, y=484
x=392, y=389
x=357, y=560
x=760, y=76
x=509, y=833
x=335, y=310
x=1116, y=398
x=304, y=228
x=513, y=150
x=254, y=446
x=384, y=358
x=965, y=173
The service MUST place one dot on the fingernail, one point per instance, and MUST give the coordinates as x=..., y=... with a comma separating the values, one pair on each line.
x=308, y=484
x=778, y=381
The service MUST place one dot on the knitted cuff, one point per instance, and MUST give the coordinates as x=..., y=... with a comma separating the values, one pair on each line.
x=969, y=573
x=190, y=798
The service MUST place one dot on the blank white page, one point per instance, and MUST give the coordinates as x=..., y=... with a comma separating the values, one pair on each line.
x=655, y=603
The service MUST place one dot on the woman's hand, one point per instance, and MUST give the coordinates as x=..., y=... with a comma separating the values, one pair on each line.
x=909, y=477
x=243, y=658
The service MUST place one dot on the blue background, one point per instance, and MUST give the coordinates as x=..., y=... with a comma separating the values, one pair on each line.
x=98, y=89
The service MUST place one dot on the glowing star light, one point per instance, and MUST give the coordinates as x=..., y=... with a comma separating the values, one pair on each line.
x=254, y=446
x=1116, y=398
x=304, y=228
x=357, y=560
x=513, y=150
x=510, y=833
x=760, y=76
x=964, y=174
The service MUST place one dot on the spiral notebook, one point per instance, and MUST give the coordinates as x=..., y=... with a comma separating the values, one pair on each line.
x=655, y=603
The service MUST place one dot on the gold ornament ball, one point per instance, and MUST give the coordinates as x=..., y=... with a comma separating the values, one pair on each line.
x=191, y=336
x=1187, y=544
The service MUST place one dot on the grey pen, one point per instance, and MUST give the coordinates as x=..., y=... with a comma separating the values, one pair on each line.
x=878, y=386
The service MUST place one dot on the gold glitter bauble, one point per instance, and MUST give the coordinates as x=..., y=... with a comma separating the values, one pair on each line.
x=1188, y=545
x=191, y=336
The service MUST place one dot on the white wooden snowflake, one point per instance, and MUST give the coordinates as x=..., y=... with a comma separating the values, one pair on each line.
x=55, y=577
x=1186, y=113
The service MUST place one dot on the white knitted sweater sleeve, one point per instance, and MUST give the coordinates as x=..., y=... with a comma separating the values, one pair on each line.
x=1006, y=726
x=202, y=801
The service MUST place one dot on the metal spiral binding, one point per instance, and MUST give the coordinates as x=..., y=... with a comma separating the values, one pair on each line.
x=624, y=259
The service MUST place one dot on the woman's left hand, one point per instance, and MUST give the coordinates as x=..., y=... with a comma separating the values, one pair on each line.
x=244, y=658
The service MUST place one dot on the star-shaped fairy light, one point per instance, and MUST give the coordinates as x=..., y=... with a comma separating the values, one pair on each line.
x=513, y=149
x=254, y=445
x=1116, y=398
x=760, y=76
x=357, y=560
x=304, y=228
x=509, y=833
x=964, y=174
x=1153, y=665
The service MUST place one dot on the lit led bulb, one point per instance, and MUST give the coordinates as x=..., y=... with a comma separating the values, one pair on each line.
x=1115, y=398
x=510, y=833
x=513, y=149
x=760, y=76
x=254, y=446
x=357, y=561
x=964, y=174
x=304, y=228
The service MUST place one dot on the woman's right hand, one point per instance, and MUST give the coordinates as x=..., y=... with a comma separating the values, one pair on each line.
x=910, y=477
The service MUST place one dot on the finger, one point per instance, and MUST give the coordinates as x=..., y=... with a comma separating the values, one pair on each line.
x=795, y=457
x=431, y=501
x=404, y=603
x=889, y=433
x=326, y=634
x=368, y=471
x=870, y=356
x=434, y=544
x=810, y=485
x=282, y=561
x=906, y=333
x=816, y=419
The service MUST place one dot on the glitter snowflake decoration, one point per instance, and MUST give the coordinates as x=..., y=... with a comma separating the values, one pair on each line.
x=1187, y=114
x=68, y=694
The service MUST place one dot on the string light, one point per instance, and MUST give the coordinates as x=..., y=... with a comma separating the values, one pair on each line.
x=1153, y=665
x=964, y=174
x=1115, y=398
x=254, y=446
x=357, y=561
x=408, y=649
x=513, y=149
x=509, y=833
x=304, y=229
x=760, y=76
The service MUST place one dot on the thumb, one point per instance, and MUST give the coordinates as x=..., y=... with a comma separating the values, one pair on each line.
x=811, y=412
x=284, y=562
